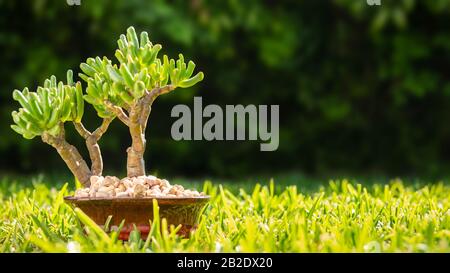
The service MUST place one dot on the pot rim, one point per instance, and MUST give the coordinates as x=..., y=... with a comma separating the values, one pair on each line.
x=139, y=200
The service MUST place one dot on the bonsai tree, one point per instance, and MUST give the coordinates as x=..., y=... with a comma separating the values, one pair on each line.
x=125, y=90
x=44, y=113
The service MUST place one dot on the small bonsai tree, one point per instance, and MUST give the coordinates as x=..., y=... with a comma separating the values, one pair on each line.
x=125, y=90
x=44, y=114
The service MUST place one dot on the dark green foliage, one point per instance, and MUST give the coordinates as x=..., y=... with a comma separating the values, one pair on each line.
x=359, y=87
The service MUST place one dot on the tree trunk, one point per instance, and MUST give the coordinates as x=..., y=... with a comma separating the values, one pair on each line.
x=135, y=163
x=135, y=160
x=71, y=157
x=137, y=123
x=95, y=155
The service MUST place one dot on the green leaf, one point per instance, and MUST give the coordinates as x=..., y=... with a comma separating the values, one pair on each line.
x=105, y=90
x=28, y=135
x=46, y=103
x=79, y=102
x=113, y=74
x=144, y=38
x=87, y=69
x=83, y=77
x=66, y=107
x=124, y=95
x=102, y=111
x=174, y=76
x=18, y=96
x=17, y=129
x=53, y=81
x=47, y=83
x=30, y=118
x=92, y=90
x=132, y=37
x=150, y=55
x=90, y=99
x=53, y=118
x=17, y=119
x=32, y=128
x=139, y=89
x=126, y=74
x=190, y=69
x=123, y=43
x=192, y=81
x=69, y=77
x=35, y=104
x=120, y=57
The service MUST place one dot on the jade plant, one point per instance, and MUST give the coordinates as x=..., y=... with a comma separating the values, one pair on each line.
x=125, y=89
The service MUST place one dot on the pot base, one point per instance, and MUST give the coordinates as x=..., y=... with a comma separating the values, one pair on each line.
x=139, y=211
x=124, y=234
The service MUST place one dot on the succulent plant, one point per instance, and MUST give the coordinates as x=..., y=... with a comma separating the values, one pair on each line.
x=125, y=90
x=42, y=111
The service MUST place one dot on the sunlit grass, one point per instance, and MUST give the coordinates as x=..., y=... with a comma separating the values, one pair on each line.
x=338, y=217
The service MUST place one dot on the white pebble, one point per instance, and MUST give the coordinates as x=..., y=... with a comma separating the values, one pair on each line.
x=142, y=186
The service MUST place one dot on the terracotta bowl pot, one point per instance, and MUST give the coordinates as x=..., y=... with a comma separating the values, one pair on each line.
x=138, y=212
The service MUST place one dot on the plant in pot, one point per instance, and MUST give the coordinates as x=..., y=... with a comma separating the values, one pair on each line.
x=125, y=90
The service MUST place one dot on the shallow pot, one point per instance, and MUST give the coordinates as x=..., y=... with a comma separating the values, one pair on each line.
x=138, y=211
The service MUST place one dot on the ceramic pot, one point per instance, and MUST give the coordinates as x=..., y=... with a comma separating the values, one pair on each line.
x=138, y=211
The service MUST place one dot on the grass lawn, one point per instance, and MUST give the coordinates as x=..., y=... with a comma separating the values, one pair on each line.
x=290, y=215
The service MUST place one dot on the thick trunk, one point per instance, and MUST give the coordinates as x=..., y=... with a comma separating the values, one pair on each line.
x=135, y=160
x=135, y=163
x=71, y=157
x=137, y=123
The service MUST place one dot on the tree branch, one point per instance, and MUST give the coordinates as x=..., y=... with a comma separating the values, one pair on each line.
x=92, y=145
x=98, y=133
x=84, y=133
x=62, y=131
x=147, y=101
x=118, y=111
x=70, y=155
x=155, y=92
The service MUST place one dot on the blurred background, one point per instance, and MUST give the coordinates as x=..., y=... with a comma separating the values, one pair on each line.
x=362, y=89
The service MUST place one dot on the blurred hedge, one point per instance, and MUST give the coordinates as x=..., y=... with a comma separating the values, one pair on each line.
x=360, y=87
